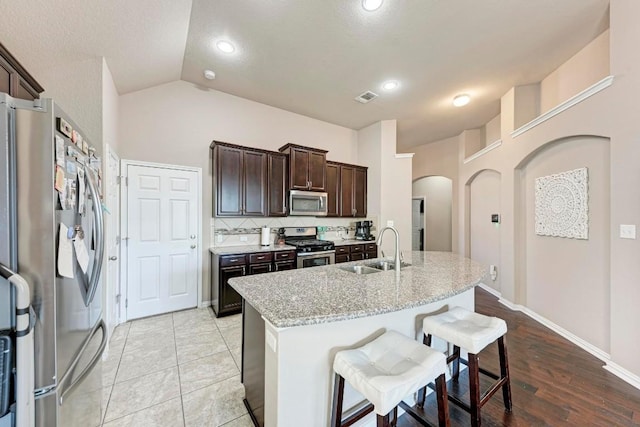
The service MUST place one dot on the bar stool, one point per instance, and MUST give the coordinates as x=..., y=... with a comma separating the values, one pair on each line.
x=384, y=371
x=471, y=332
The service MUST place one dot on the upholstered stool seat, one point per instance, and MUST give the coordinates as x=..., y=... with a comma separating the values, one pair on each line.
x=385, y=371
x=472, y=332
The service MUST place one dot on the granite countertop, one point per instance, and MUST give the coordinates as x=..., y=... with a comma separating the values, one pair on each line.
x=352, y=242
x=247, y=249
x=329, y=294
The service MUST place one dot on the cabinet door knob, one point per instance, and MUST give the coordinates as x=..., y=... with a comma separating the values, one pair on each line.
x=193, y=236
x=193, y=246
x=113, y=258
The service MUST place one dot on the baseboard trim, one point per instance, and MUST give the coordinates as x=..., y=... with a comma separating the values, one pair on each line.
x=489, y=289
x=622, y=373
x=204, y=304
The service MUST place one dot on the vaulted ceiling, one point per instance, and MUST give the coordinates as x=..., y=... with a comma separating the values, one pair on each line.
x=313, y=57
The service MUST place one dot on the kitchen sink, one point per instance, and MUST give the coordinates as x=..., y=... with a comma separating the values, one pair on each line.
x=360, y=269
x=386, y=265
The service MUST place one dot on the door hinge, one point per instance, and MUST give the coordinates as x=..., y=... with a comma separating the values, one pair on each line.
x=118, y=179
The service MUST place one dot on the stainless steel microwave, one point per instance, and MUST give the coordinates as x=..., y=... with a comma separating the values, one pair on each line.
x=307, y=203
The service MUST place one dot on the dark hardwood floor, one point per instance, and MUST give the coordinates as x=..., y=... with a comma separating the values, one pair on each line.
x=553, y=382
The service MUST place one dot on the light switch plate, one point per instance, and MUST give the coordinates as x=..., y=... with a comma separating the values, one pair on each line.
x=627, y=231
x=390, y=223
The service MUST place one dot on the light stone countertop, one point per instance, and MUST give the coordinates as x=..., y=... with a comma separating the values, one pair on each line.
x=329, y=294
x=248, y=249
x=351, y=242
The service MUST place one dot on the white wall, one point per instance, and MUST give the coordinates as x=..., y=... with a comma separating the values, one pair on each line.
x=484, y=236
x=175, y=123
x=492, y=130
x=438, y=193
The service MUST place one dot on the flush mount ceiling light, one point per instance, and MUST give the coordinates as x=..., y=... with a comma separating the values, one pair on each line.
x=371, y=5
x=225, y=46
x=461, y=100
x=390, y=85
x=209, y=75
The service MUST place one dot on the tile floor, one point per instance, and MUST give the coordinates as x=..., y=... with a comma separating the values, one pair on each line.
x=178, y=369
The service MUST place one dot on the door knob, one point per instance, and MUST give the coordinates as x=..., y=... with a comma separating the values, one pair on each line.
x=193, y=246
x=113, y=258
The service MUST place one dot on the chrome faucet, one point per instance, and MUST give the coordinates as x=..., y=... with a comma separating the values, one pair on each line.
x=397, y=254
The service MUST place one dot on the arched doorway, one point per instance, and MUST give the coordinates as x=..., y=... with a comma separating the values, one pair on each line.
x=431, y=213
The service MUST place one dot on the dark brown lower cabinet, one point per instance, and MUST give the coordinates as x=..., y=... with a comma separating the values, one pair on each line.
x=357, y=252
x=224, y=299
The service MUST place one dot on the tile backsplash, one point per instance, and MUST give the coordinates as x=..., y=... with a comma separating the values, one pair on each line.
x=246, y=231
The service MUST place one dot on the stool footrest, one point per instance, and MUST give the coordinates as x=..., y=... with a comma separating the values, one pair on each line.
x=482, y=370
x=356, y=416
x=492, y=390
x=411, y=411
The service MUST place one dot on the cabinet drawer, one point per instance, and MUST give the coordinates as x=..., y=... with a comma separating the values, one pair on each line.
x=229, y=260
x=341, y=250
x=370, y=247
x=342, y=258
x=357, y=248
x=358, y=256
x=260, y=257
x=284, y=255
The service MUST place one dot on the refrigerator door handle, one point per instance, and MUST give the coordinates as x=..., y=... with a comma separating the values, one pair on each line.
x=94, y=361
x=99, y=230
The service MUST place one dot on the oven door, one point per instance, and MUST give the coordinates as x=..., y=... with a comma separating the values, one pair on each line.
x=315, y=259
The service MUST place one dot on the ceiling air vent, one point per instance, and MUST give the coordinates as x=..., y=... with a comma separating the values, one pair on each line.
x=365, y=97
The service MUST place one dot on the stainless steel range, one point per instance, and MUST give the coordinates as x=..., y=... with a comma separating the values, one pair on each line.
x=310, y=251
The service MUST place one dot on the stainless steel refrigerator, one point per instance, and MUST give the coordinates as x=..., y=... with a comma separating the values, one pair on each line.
x=50, y=176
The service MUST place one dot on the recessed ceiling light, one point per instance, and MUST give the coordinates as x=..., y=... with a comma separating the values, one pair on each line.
x=390, y=85
x=209, y=75
x=225, y=46
x=461, y=100
x=371, y=5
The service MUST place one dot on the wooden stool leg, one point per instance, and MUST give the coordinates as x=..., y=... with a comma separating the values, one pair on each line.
x=422, y=393
x=394, y=423
x=443, y=401
x=383, y=420
x=456, y=363
x=338, y=395
x=474, y=390
x=504, y=373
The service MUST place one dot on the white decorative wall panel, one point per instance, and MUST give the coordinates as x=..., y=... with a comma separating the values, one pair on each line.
x=562, y=208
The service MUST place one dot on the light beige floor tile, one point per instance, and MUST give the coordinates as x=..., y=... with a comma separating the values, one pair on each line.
x=206, y=371
x=106, y=394
x=152, y=340
x=236, y=353
x=232, y=336
x=166, y=414
x=187, y=317
x=214, y=405
x=136, y=364
x=110, y=368
x=144, y=327
x=199, y=327
x=142, y=392
x=229, y=321
x=120, y=332
x=199, y=345
x=243, y=421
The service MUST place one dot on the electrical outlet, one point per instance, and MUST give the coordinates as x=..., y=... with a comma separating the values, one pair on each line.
x=390, y=223
x=627, y=231
x=219, y=238
x=243, y=238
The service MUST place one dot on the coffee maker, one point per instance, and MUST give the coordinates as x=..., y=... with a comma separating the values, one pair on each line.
x=363, y=230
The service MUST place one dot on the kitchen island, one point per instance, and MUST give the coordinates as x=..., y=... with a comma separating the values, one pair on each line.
x=295, y=321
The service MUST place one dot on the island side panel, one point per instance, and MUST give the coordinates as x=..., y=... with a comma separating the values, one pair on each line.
x=253, y=361
x=299, y=361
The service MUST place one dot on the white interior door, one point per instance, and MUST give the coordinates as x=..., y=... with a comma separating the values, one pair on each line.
x=162, y=245
x=112, y=238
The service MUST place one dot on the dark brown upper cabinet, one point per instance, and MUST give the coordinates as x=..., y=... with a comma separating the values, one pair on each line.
x=248, y=181
x=346, y=190
x=15, y=80
x=333, y=189
x=307, y=167
x=277, y=184
x=240, y=180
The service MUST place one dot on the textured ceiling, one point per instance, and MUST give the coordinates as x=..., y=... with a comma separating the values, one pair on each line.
x=314, y=57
